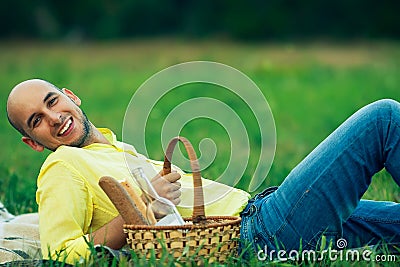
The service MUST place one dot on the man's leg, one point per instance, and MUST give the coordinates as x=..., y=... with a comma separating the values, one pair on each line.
x=372, y=222
x=321, y=193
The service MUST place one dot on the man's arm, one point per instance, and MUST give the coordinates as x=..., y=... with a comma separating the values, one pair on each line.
x=111, y=234
x=66, y=213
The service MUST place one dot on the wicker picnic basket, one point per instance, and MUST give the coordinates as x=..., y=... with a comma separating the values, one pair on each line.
x=212, y=237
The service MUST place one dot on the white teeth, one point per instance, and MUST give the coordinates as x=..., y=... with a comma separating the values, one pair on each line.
x=65, y=128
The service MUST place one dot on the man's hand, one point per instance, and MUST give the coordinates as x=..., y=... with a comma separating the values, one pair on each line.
x=167, y=186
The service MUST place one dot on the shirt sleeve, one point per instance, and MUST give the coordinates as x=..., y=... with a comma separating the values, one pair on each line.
x=65, y=213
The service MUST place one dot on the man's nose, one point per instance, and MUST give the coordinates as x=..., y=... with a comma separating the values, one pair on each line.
x=54, y=118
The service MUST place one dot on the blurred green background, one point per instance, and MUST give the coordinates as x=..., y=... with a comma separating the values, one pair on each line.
x=251, y=19
x=316, y=63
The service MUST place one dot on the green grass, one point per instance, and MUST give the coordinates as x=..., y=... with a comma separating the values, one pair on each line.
x=311, y=88
x=323, y=257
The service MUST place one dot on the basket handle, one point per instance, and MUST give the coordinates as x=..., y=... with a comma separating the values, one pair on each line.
x=198, y=202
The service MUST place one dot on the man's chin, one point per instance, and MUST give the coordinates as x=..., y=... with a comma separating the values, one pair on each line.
x=79, y=143
x=82, y=142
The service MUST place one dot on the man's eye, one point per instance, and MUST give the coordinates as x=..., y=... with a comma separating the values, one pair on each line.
x=36, y=121
x=52, y=101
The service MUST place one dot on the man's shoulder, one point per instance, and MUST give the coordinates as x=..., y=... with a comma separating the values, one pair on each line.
x=64, y=153
x=59, y=163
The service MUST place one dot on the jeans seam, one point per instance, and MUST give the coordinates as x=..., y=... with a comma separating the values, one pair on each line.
x=395, y=124
x=264, y=227
x=285, y=222
x=375, y=220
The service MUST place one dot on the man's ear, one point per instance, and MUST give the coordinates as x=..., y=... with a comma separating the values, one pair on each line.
x=72, y=96
x=33, y=144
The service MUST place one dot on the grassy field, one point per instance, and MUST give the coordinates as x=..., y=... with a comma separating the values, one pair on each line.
x=311, y=88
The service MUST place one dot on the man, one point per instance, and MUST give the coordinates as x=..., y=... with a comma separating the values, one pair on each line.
x=319, y=198
x=72, y=206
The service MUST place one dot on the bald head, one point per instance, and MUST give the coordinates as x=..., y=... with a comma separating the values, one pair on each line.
x=48, y=117
x=20, y=95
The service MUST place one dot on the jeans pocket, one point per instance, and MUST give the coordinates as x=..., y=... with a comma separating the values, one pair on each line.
x=322, y=240
x=263, y=239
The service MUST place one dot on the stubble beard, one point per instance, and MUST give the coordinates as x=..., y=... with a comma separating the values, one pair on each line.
x=87, y=132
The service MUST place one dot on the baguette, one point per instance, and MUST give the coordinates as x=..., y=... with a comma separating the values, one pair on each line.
x=121, y=200
x=139, y=202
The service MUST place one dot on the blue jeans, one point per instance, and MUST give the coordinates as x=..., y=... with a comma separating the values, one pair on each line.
x=321, y=196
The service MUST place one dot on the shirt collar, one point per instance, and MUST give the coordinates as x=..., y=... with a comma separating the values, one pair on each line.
x=109, y=135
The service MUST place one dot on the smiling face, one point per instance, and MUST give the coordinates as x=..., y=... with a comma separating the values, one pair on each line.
x=48, y=117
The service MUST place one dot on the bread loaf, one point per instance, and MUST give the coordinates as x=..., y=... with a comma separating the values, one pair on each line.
x=122, y=201
x=139, y=202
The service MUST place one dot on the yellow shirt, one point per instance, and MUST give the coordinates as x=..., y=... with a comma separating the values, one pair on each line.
x=72, y=205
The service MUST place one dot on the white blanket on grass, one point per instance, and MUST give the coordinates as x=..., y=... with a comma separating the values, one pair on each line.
x=19, y=236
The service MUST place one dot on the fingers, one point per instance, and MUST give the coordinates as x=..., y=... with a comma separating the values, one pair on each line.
x=174, y=196
x=168, y=186
x=172, y=177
